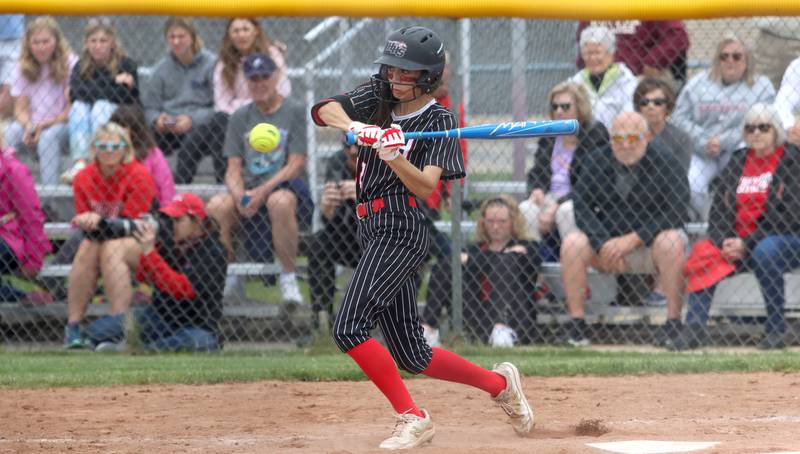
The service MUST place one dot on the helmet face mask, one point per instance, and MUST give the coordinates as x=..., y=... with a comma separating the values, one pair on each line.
x=415, y=49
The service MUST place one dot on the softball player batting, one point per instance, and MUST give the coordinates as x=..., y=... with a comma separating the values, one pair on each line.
x=391, y=175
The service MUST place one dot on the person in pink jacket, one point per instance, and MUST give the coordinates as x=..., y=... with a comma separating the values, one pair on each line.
x=23, y=243
x=131, y=117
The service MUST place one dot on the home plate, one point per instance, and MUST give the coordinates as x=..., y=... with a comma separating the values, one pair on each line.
x=653, y=446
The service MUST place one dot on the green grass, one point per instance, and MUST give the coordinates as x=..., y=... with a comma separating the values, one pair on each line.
x=72, y=369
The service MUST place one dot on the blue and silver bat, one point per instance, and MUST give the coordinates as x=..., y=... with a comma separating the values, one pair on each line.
x=495, y=131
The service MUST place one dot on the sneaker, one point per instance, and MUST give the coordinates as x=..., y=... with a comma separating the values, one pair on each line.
x=513, y=401
x=73, y=337
x=431, y=335
x=70, y=173
x=691, y=336
x=410, y=431
x=655, y=299
x=290, y=291
x=576, y=334
x=668, y=333
x=109, y=347
x=502, y=336
x=772, y=341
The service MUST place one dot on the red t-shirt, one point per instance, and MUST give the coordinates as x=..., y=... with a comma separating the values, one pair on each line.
x=753, y=189
x=129, y=192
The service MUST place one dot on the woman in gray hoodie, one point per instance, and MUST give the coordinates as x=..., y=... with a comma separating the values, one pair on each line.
x=711, y=109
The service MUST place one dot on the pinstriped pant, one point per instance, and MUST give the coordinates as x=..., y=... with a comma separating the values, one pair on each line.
x=383, y=290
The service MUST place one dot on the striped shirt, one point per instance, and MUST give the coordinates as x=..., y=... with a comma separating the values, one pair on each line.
x=375, y=177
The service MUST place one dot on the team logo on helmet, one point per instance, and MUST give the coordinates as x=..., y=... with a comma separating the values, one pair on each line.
x=396, y=48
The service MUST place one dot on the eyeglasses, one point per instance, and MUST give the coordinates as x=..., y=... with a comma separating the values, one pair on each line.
x=736, y=56
x=658, y=102
x=763, y=127
x=564, y=106
x=104, y=147
x=630, y=139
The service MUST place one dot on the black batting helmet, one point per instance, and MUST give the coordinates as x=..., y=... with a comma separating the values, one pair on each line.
x=415, y=49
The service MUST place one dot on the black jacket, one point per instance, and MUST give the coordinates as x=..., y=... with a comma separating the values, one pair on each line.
x=102, y=86
x=205, y=265
x=591, y=137
x=782, y=212
x=658, y=199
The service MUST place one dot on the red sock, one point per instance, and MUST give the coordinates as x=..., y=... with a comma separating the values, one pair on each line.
x=446, y=365
x=379, y=366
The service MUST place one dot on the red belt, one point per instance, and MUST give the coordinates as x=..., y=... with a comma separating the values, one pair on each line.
x=365, y=209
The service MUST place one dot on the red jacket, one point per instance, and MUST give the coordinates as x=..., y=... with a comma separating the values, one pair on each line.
x=128, y=193
x=639, y=43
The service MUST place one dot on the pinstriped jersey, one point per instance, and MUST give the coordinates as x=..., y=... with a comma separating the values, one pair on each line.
x=376, y=178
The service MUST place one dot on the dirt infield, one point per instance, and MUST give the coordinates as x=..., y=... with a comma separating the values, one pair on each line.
x=747, y=413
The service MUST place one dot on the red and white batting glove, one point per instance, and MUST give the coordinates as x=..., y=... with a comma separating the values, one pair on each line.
x=392, y=140
x=366, y=135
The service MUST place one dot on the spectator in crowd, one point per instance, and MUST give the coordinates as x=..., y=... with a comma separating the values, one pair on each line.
x=12, y=28
x=610, y=85
x=179, y=102
x=185, y=263
x=777, y=44
x=711, y=108
x=630, y=206
x=113, y=185
x=39, y=86
x=754, y=225
x=244, y=36
x=500, y=272
x=23, y=243
x=787, y=101
x=559, y=162
x=655, y=100
x=131, y=117
x=337, y=242
x=648, y=48
x=266, y=195
x=103, y=79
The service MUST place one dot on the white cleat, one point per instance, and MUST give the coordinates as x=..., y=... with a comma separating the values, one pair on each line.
x=410, y=431
x=513, y=401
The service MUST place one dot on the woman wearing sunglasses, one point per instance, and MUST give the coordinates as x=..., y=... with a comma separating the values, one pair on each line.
x=711, y=108
x=655, y=99
x=113, y=185
x=558, y=162
x=754, y=225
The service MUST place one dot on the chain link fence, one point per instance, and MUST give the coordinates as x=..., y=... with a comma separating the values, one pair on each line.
x=598, y=237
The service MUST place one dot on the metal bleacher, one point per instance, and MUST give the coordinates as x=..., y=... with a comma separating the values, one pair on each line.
x=736, y=297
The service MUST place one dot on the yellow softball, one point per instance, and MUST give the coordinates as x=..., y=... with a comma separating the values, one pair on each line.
x=264, y=137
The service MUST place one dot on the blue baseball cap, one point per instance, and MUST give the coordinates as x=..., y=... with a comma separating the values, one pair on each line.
x=258, y=65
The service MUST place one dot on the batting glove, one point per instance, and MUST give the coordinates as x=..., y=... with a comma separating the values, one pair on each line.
x=392, y=140
x=366, y=135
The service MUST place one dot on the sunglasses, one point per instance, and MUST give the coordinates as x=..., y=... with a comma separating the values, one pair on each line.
x=658, y=102
x=736, y=56
x=104, y=147
x=763, y=127
x=564, y=106
x=630, y=139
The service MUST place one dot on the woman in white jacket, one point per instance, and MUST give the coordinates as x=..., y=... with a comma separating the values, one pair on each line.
x=610, y=84
x=711, y=109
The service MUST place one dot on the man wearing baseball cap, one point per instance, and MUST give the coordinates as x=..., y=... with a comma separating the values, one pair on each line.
x=184, y=261
x=267, y=197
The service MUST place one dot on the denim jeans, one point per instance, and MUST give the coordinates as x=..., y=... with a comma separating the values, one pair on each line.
x=52, y=142
x=156, y=334
x=772, y=257
x=84, y=119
